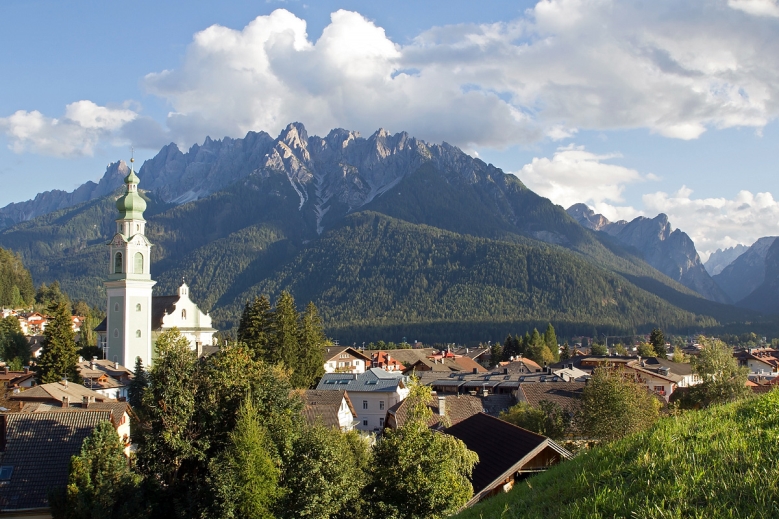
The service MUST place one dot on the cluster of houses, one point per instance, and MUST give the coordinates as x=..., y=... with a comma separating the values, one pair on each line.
x=34, y=323
x=361, y=390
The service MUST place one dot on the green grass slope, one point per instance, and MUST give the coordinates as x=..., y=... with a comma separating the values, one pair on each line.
x=719, y=462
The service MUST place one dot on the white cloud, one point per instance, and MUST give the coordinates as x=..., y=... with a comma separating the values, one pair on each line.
x=756, y=7
x=677, y=69
x=83, y=126
x=714, y=223
x=575, y=175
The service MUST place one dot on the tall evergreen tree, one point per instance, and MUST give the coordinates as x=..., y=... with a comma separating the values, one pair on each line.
x=508, y=349
x=657, y=340
x=565, y=353
x=59, y=356
x=550, y=339
x=138, y=385
x=496, y=354
x=311, y=340
x=14, y=348
x=538, y=351
x=285, y=334
x=254, y=329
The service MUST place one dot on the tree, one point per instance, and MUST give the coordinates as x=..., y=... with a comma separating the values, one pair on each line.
x=169, y=436
x=723, y=380
x=138, y=385
x=245, y=476
x=284, y=330
x=496, y=353
x=310, y=362
x=550, y=339
x=599, y=349
x=324, y=467
x=657, y=340
x=538, y=350
x=59, y=357
x=620, y=349
x=47, y=296
x=100, y=482
x=421, y=474
x=679, y=355
x=548, y=419
x=254, y=328
x=14, y=348
x=613, y=405
x=645, y=349
x=565, y=353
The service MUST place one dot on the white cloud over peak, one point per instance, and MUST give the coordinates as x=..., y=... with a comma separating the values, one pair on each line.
x=714, y=223
x=756, y=7
x=575, y=175
x=77, y=133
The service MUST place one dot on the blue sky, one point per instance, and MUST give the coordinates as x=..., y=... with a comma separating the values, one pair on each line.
x=633, y=107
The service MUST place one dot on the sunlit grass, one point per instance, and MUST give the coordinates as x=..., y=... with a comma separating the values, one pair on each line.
x=721, y=462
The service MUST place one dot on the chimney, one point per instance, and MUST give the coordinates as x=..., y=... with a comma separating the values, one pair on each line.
x=6, y=369
x=485, y=392
x=505, y=371
x=442, y=405
x=3, y=423
x=570, y=366
x=65, y=382
x=85, y=402
x=116, y=364
x=93, y=363
x=475, y=370
x=26, y=370
x=65, y=401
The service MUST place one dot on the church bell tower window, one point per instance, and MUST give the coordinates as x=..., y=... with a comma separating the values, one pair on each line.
x=138, y=263
x=118, y=263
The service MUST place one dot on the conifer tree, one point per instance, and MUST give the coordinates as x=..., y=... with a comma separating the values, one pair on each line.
x=311, y=360
x=14, y=348
x=138, y=385
x=538, y=351
x=657, y=340
x=285, y=333
x=496, y=354
x=565, y=354
x=59, y=355
x=550, y=339
x=508, y=349
x=254, y=329
x=100, y=482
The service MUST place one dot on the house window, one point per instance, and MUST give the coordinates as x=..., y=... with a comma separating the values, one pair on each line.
x=138, y=263
x=118, y=263
x=116, y=307
x=365, y=404
x=138, y=307
x=381, y=405
x=184, y=315
x=365, y=423
x=138, y=333
x=116, y=332
x=381, y=422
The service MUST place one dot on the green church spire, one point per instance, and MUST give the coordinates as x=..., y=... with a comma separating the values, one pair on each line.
x=130, y=205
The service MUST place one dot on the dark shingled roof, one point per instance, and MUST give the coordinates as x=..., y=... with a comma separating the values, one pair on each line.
x=457, y=408
x=500, y=445
x=322, y=406
x=564, y=394
x=117, y=409
x=39, y=447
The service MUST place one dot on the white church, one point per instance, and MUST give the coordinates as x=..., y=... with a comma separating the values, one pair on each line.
x=135, y=318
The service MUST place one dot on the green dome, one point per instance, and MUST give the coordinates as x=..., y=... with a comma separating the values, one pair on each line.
x=130, y=205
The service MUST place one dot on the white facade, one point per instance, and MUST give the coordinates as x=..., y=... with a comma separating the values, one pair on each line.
x=190, y=321
x=372, y=407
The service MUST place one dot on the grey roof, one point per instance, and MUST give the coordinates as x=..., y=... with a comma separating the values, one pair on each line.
x=323, y=406
x=161, y=306
x=39, y=447
x=55, y=391
x=116, y=408
x=564, y=394
x=375, y=379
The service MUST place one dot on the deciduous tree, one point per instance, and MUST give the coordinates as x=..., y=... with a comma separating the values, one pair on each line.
x=723, y=380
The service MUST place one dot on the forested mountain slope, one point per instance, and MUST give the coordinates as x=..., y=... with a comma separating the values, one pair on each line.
x=292, y=218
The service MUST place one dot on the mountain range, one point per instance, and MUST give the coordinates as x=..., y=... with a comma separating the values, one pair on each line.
x=389, y=235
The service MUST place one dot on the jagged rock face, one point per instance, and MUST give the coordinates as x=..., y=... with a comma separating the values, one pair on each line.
x=720, y=259
x=50, y=201
x=747, y=272
x=672, y=253
x=597, y=222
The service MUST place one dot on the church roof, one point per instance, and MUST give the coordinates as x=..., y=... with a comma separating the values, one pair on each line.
x=161, y=306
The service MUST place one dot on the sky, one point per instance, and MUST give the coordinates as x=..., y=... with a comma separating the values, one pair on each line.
x=633, y=107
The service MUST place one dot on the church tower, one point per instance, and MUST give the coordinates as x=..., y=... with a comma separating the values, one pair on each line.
x=129, y=284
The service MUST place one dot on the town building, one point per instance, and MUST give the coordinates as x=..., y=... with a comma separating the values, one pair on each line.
x=345, y=359
x=329, y=408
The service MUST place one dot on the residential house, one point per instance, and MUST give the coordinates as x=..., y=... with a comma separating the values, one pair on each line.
x=405, y=356
x=61, y=393
x=507, y=453
x=329, y=408
x=760, y=361
x=35, y=452
x=448, y=410
x=372, y=393
x=16, y=379
x=345, y=359
x=385, y=361
x=36, y=345
x=106, y=377
x=564, y=394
